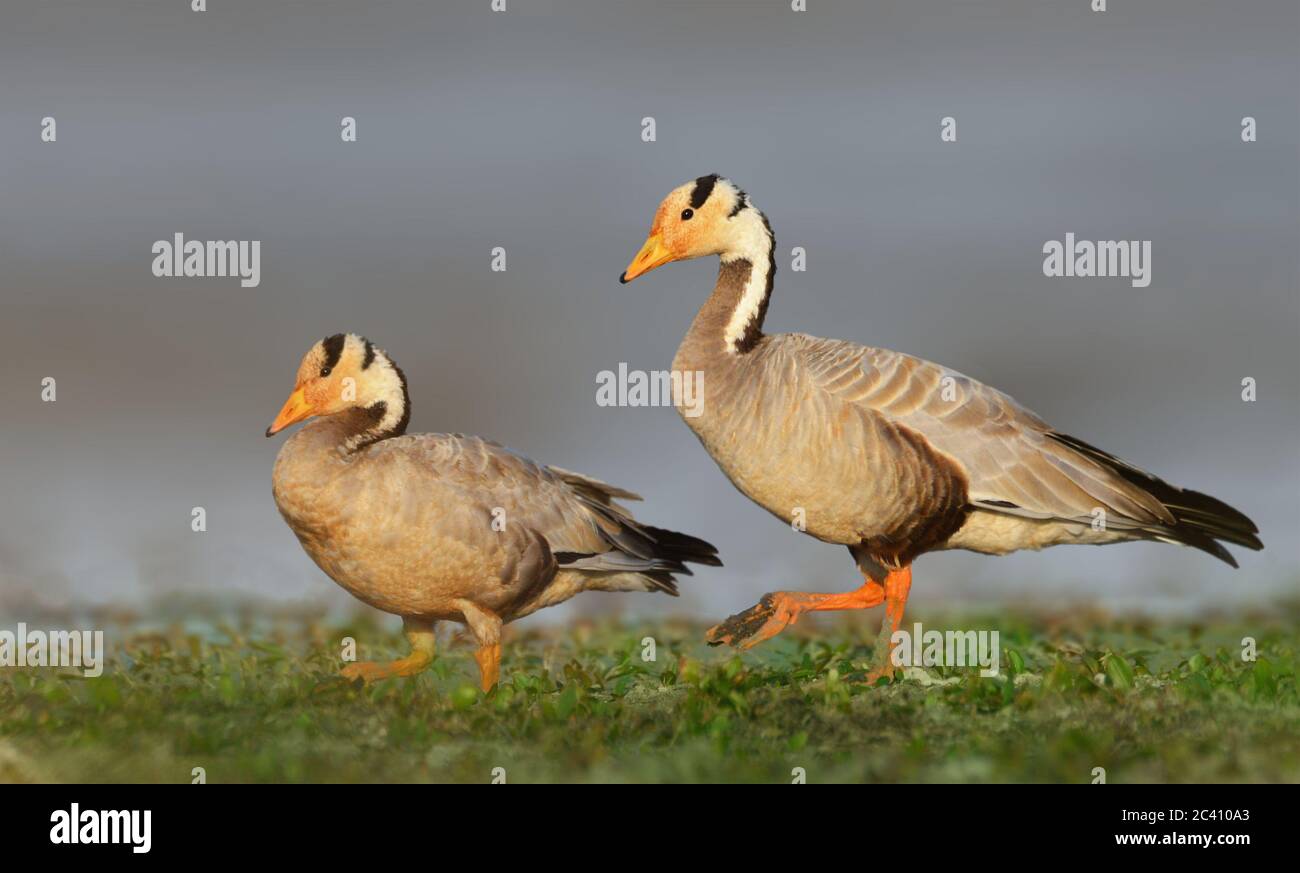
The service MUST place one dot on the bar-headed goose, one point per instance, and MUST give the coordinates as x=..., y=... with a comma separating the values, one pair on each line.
x=438, y=526
x=885, y=453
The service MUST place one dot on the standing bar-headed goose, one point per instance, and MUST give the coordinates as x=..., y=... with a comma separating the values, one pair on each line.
x=437, y=526
x=885, y=453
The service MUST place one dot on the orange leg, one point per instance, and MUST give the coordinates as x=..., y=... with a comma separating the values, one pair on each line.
x=897, y=586
x=778, y=610
x=489, y=665
x=420, y=635
x=486, y=626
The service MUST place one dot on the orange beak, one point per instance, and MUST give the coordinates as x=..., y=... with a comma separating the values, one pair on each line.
x=295, y=409
x=653, y=254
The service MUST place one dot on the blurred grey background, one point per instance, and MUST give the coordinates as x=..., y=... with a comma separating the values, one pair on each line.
x=522, y=129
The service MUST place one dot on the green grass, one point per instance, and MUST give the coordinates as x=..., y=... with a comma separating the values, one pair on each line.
x=1146, y=701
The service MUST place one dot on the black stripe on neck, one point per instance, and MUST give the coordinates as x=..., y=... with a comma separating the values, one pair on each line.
x=703, y=188
x=369, y=418
x=400, y=428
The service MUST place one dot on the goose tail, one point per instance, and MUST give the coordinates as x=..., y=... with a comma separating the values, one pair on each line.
x=1199, y=520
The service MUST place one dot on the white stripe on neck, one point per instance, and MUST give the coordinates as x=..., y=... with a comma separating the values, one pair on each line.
x=754, y=244
x=389, y=390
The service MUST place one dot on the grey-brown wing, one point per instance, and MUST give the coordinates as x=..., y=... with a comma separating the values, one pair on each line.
x=499, y=487
x=1012, y=459
x=577, y=516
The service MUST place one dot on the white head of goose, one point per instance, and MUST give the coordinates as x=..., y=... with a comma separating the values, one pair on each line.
x=885, y=453
x=445, y=526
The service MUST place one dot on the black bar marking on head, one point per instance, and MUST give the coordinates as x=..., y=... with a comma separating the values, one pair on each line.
x=333, y=349
x=370, y=355
x=742, y=200
x=703, y=188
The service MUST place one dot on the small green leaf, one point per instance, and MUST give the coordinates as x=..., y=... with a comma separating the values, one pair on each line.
x=1118, y=672
x=1015, y=663
x=567, y=701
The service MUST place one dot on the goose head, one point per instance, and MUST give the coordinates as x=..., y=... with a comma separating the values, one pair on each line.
x=343, y=373
x=707, y=216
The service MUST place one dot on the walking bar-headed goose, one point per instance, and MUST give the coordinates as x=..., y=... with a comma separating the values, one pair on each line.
x=885, y=453
x=438, y=526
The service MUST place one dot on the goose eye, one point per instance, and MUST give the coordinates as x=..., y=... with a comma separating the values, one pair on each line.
x=325, y=371
x=687, y=213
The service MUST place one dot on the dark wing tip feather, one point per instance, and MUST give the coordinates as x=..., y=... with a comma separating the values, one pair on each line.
x=683, y=547
x=654, y=553
x=1202, y=541
x=1199, y=519
x=663, y=581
